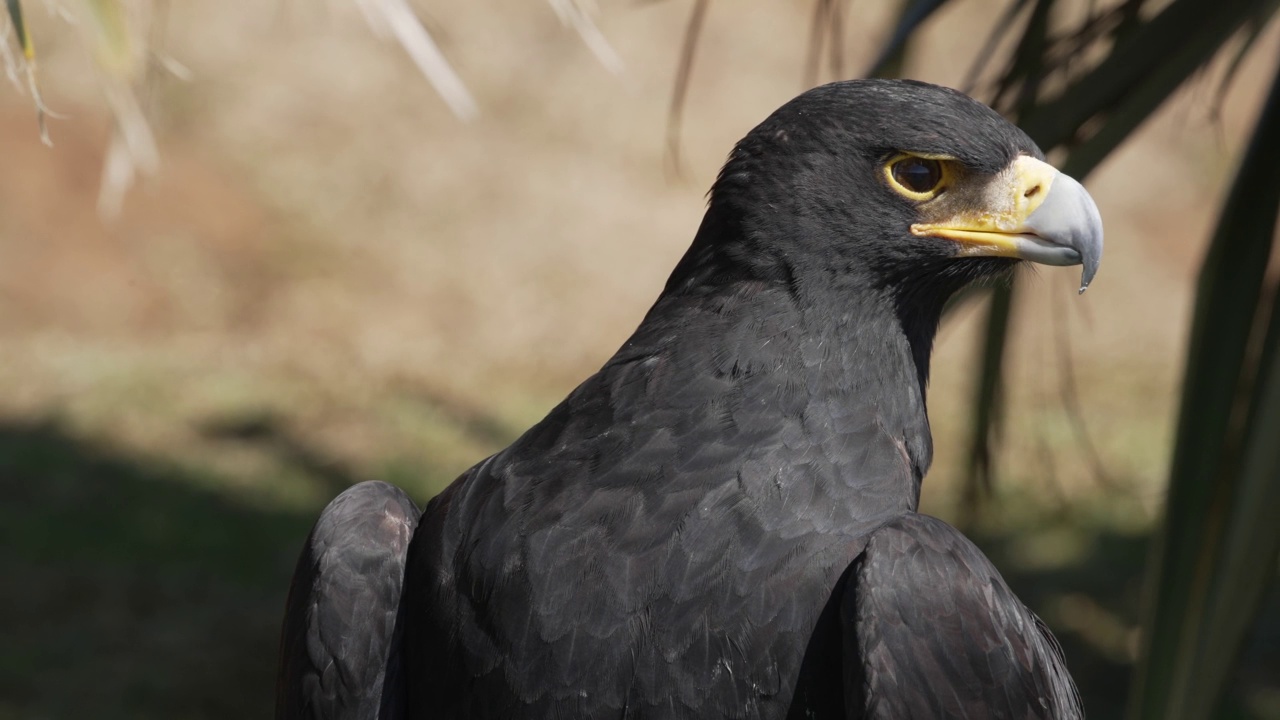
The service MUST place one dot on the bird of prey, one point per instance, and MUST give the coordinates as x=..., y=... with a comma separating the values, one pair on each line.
x=721, y=522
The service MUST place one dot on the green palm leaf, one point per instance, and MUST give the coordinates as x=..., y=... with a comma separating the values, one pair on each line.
x=25, y=63
x=1217, y=548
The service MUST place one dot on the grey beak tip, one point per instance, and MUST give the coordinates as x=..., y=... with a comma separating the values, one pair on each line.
x=1069, y=217
x=1090, y=269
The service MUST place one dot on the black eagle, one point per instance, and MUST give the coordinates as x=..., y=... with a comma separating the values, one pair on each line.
x=721, y=522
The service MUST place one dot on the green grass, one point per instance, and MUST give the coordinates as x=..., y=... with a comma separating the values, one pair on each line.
x=131, y=588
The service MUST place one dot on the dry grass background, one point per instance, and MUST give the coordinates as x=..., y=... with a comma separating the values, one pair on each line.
x=325, y=242
x=329, y=260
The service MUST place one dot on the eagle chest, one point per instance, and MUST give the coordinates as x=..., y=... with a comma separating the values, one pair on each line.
x=604, y=611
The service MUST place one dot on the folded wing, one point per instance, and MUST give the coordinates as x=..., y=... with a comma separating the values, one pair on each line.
x=340, y=644
x=932, y=630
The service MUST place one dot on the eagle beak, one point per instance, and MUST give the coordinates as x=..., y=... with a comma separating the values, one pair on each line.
x=1031, y=212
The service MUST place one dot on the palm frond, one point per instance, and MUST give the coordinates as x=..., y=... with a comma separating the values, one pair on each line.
x=680, y=89
x=117, y=36
x=913, y=15
x=23, y=63
x=396, y=19
x=115, y=31
x=577, y=15
x=1216, y=551
x=1156, y=54
x=1091, y=116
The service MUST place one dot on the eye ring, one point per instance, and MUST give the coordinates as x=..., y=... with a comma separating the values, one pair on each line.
x=918, y=178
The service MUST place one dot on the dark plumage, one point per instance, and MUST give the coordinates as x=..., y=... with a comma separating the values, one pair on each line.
x=721, y=522
x=340, y=648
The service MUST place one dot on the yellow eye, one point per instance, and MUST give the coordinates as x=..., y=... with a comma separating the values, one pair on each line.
x=916, y=177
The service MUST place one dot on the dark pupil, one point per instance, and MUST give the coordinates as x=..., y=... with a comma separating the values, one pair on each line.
x=918, y=174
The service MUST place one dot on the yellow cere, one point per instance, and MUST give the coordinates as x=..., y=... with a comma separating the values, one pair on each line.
x=987, y=218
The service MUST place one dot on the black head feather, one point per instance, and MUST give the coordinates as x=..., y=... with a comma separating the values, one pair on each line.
x=809, y=176
x=803, y=200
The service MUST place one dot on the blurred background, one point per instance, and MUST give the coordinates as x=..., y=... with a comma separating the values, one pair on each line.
x=332, y=278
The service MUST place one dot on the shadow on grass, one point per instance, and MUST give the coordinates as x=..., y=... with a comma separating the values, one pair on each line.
x=131, y=589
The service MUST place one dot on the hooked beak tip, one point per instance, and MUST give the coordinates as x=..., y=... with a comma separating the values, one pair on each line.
x=1069, y=218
